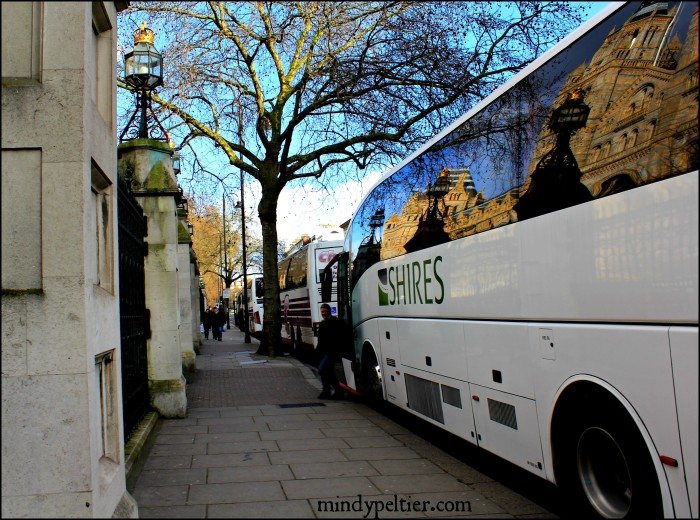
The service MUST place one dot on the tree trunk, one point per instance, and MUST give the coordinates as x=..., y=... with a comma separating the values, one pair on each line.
x=272, y=321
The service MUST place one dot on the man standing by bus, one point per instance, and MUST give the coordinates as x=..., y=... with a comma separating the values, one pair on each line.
x=331, y=336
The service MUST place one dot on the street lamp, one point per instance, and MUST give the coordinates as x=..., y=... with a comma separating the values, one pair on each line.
x=175, y=159
x=239, y=205
x=556, y=181
x=143, y=72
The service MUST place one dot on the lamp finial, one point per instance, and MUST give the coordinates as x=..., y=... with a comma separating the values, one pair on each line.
x=144, y=34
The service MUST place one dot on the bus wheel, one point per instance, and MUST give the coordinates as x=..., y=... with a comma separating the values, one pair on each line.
x=606, y=468
x=372, y=379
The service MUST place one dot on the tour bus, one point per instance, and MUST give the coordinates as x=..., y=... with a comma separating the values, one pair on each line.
x=528, y=279
x=256, y=288
x=300, y=290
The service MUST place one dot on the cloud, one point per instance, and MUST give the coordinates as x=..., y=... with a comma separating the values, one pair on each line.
x=307, y=209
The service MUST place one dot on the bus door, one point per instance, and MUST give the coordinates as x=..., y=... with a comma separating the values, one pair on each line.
x=344, y=312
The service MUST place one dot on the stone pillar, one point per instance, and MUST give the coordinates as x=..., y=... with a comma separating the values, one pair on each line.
x=146, y=163
x=184, y=281
x=194, y=292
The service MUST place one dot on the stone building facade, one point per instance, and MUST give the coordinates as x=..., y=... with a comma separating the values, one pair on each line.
x=62, y=434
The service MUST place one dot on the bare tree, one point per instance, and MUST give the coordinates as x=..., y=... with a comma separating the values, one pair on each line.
x=297, y=90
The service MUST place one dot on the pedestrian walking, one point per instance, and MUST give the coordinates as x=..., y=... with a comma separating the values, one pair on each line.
x=332, y=336
x=217, y=324
x=206, y=322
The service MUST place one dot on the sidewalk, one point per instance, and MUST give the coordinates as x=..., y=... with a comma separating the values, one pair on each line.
x=257, y=443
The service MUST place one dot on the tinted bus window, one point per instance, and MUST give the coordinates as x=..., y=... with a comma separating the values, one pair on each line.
x=615, y=111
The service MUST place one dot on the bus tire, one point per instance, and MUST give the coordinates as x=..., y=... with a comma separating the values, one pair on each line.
x=604, y=467
x=371, y=378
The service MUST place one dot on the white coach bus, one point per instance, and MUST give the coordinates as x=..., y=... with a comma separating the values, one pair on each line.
x=300, y=290
x=528, y=280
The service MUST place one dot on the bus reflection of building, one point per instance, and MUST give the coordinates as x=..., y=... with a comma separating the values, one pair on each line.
x=369, y=251
x=431, y=225
x=556, y=182
x=635, y=133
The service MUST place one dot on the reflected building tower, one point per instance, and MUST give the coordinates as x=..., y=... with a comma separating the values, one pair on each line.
x=642, y=89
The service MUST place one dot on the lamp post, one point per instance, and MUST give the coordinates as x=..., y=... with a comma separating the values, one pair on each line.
x=226, y=271
x=240, y=205
x=143, y=72
x=556, y=181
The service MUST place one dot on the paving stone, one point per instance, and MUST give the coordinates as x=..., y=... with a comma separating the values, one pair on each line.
x=405, y=467
x=276, y=435
x=282, y=419
x=347, y=424
x=311, y=444
x=398, y=452
x=240, y=412
x=337, y=469
x=329, y=487
x=300, y=456
x=369, y=431
x=161, y=496
x=243, y=427
x=244, y=420
x=167, y=438
x=271, y=509
x=226, y=437
x=168, y=462
x=171, y=477
x=509, y=500
x=174, y=429
x=464, y=473
x=231, y=459
x=173, y=512
x=249, y=474
x=234, y=492
x=337, y=416
x=417, y=483
x=178, y=449
x=214, y=448
x=296, y=425
x=372, y=442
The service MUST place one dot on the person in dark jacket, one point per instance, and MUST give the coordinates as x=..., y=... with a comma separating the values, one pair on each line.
x=206, y=322
x=331, y=336
x=217, y=323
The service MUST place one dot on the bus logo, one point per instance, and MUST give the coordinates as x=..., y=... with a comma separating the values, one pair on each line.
x=415, y=283
x=383, y=287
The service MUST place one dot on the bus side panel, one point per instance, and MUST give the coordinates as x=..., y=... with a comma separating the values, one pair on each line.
x=507, y=426
x=684, y=355
x=499, y=357
x=434, y=346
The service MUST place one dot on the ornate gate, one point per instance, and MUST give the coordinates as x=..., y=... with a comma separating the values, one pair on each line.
x=134, y=317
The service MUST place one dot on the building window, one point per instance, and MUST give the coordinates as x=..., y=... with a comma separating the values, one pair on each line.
x=104, y=365
x=103, y=206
